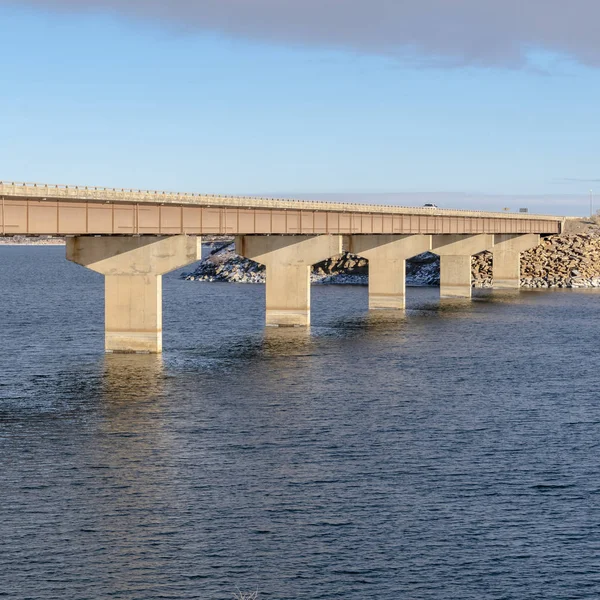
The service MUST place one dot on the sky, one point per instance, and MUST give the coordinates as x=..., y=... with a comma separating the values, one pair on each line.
x=467, y=104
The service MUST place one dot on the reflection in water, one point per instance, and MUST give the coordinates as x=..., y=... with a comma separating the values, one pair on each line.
x=376, y=322
x=133, y=406
x=133, y=450
x=287, y=341
x=132, y=377
x=450, y=307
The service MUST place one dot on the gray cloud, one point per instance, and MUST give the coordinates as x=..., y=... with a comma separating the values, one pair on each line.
x=446, y=32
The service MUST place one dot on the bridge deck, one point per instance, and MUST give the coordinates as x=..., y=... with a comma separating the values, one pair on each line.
x=36, y=209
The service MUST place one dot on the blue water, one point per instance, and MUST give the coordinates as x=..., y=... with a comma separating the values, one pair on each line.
x=449, y=453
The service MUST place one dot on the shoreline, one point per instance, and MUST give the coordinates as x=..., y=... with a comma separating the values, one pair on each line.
x=22, y=240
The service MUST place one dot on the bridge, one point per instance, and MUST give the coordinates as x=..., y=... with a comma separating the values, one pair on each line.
x=133, y=237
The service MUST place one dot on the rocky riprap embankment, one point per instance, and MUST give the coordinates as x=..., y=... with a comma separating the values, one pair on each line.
x=223, y=264
x=571, y=260
x=560, y=261
x=23, y=240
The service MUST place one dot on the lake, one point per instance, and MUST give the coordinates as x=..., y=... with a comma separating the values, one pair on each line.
x=451, y=452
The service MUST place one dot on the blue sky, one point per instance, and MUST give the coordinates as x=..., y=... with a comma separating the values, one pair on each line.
x=104, y=99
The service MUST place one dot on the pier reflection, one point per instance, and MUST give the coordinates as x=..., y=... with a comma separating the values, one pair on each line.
x=133, y=456
x=287, y=341
x=374, y=322
x=132, y=377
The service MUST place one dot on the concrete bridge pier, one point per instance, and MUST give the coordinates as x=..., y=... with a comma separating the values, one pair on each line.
x=387, y=255
x=455, y=253
x=133, y=268
x=506, y=266
x=288, y=259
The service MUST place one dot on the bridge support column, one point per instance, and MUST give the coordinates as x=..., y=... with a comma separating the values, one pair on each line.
x=133, y=268
x=288, y=259
x=455, y=253
x=507, y=258
x=387, y=256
